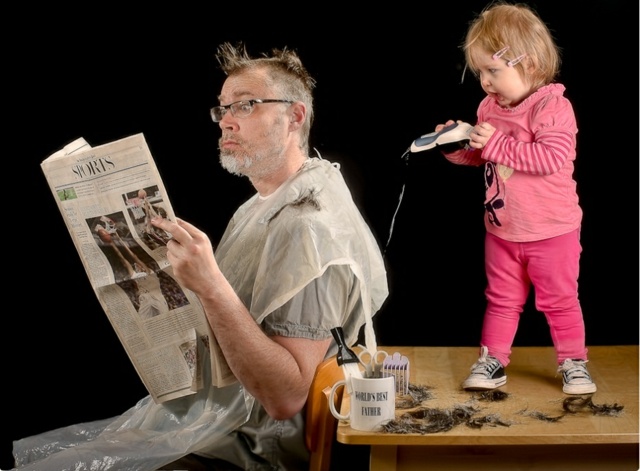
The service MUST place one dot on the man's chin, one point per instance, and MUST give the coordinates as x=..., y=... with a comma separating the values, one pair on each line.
x=232, y=165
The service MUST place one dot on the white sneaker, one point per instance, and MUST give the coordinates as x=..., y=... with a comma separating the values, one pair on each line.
x=486, y=373
x=575, y=377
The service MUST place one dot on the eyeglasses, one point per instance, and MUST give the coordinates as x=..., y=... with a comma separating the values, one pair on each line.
x=239, y=109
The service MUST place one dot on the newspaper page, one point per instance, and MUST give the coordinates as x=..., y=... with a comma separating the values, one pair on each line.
x=107, y=196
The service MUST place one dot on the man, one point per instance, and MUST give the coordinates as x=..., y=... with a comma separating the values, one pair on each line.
x=296, y=260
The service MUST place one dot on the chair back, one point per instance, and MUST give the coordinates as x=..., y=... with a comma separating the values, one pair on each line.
x=320, y=426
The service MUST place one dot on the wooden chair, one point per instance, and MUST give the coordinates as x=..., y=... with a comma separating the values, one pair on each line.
x=320, y=428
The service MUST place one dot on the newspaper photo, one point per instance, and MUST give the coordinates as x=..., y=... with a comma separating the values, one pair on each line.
x=107, y=196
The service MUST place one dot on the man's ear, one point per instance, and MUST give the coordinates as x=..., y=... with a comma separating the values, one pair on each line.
x=297, y=115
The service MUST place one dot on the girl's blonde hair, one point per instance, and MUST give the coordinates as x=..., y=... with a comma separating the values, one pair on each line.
x=516, y=27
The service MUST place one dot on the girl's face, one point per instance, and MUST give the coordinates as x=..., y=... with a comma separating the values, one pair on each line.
x=500, y=81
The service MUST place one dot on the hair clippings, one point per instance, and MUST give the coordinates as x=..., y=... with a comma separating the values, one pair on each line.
x=510, y=63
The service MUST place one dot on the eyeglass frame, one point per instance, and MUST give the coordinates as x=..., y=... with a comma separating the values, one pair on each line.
x=232, y=107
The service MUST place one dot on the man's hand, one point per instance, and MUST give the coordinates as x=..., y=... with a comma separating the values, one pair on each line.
x=191, y=255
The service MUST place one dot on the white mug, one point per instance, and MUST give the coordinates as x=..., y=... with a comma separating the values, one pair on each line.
x=372, y=403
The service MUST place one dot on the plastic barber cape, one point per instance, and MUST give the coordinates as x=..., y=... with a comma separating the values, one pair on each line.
x=307, y=225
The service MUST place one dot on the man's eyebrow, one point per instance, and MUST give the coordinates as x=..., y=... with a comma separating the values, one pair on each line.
x=238, y=95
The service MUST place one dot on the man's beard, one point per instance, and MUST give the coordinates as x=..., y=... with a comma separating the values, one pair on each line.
x=235, y=162
x=252, y=162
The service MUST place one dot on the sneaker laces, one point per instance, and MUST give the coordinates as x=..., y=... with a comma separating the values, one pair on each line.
x=485, y=365
x=574, y=370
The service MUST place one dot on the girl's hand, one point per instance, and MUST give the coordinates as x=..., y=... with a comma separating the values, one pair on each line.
x=448, y=123
x=480, y=135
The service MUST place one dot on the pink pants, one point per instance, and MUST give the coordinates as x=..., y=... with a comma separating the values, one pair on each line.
x=552, y=266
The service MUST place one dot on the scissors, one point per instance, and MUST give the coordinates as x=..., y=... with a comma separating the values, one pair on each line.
x=372, y=362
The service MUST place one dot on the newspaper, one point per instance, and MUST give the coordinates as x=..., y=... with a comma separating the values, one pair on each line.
x=107, y=196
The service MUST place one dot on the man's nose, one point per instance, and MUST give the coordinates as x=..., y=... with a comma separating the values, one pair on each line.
x=228, y=121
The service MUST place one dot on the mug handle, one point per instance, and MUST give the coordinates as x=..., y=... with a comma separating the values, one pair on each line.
x=332, y=406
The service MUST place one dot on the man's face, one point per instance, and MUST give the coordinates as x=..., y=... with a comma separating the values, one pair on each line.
x=253, y=145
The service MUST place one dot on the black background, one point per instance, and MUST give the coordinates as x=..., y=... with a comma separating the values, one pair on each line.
x=384, y=77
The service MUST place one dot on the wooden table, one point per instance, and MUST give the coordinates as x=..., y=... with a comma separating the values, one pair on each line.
x=579, y=441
